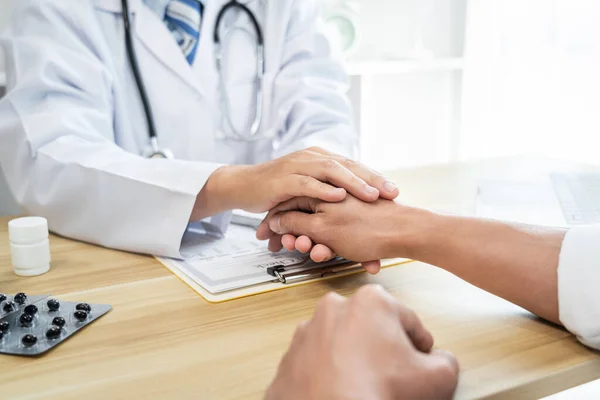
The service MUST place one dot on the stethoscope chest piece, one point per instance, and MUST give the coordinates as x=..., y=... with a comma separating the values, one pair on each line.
x=155, y=152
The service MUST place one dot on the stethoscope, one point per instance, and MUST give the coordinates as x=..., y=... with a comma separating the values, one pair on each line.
x=154, y=150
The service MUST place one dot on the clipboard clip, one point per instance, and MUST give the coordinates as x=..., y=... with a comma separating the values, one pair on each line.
x=287, y=275
x=276, y=272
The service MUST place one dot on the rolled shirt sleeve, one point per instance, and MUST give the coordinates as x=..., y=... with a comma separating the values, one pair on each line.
x=579, y=284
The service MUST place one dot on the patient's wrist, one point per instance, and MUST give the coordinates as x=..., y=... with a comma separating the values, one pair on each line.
x=419, y=233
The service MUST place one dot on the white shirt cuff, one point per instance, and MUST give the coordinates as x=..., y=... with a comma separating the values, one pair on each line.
x=579, y=284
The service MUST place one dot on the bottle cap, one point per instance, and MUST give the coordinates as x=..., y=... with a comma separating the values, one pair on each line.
x=28, y=230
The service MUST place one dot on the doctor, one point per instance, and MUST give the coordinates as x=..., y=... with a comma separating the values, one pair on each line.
x=236, y=94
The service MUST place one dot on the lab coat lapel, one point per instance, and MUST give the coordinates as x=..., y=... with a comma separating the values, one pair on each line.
x=154, y=34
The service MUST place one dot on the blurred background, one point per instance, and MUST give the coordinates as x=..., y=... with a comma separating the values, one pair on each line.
x=444, y=80
x=435, y=81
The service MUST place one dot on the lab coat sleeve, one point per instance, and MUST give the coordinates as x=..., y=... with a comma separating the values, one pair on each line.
x=579, y=284
x=58, y=149
x=310, y=102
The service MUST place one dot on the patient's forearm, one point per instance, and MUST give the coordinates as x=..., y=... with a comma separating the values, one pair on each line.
x=516, y=262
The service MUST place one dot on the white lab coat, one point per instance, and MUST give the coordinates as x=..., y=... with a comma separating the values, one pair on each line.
x=579, y=284
x=72, y=126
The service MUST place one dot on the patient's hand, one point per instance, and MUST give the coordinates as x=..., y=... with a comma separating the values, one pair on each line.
x=353, y=229
x=366, y=347
x=318, y=252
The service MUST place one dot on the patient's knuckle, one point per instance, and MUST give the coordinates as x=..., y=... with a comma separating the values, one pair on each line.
x=317, y=224
x=330, y=302
x=372, y=295
x=301, y=329
x=446, y=378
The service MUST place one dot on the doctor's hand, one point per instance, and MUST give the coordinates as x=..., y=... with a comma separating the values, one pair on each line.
x=366, y=347
x=313, y=173
x=353, y=229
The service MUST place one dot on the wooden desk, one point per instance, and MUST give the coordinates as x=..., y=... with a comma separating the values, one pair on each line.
x=163, y=341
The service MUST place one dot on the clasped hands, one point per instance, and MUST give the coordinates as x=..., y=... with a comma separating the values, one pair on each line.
x=369, y=346
x=351, y=224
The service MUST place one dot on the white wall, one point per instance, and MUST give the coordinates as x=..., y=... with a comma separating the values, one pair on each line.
x=413, y=118
x=532, y=81
x=390, y=28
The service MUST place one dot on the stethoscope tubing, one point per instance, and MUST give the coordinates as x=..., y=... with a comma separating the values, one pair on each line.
x=133, y=60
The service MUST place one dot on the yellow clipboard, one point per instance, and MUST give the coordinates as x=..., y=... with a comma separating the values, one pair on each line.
x=264, y=287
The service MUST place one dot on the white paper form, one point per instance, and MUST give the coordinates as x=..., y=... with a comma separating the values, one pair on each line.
x=235, y=261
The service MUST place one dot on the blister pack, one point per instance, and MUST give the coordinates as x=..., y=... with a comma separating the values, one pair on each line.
x=18, y=302
x=30, y=326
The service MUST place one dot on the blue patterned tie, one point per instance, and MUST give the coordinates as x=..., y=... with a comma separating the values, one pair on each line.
x=183, y=18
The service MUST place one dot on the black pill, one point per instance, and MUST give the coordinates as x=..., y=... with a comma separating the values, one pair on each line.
x=59, y=321
x=83, y=307
x=2, y=297
x=53, y=305
x=31, y=309
x=20, y=298
x=53, y=332
x=80, y=315
x=9, y=306
x=29, y=340
x=4, y=326
x=1, y=336
x=26, y=319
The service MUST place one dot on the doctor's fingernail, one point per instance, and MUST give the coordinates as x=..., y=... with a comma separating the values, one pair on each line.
x=371, y=189
x=390, y=186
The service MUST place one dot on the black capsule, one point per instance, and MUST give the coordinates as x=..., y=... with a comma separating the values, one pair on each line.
x=9, y=306
x=83, y=307
x=2, y=297
x=80, y=315
x=1, y=336
x=20, y=298
x=26, y=319
x=29, y=340
x=59, y=321
x=31, y=309
x=53, y=332
x=4, y=326
x=53, y=305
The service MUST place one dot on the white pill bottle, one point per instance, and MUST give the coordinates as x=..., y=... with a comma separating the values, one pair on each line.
x=29, y=245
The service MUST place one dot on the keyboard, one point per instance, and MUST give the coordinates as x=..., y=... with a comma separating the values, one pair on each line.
x=579, y=197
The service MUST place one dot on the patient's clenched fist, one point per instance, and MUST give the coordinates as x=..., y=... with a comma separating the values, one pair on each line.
x=365, y=347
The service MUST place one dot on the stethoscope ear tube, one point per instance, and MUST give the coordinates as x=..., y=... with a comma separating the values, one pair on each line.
x=136, y=71
x=237, y=4
x=260, y=67
x=154, y=150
